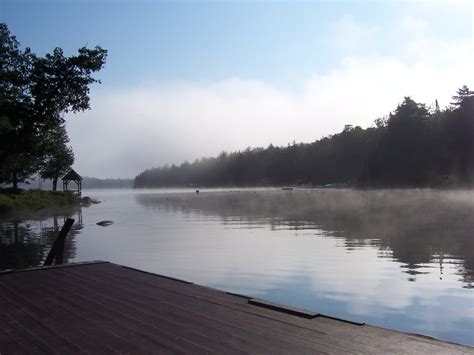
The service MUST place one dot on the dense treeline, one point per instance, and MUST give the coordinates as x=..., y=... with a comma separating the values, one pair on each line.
x=87, y=183
x=35, y=93
x=413, y=146
x=96, y=183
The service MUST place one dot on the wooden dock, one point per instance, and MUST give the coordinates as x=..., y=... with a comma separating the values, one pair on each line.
x=102, y=307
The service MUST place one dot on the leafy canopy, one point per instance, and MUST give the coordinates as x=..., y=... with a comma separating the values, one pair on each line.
x=35, y=93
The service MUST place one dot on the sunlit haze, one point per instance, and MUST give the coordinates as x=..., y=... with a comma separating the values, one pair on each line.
x=190, y=79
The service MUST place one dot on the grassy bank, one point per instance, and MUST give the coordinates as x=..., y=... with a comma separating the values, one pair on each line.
x=14, y=200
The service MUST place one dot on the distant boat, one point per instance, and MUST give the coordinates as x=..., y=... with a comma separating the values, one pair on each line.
x=288, y=188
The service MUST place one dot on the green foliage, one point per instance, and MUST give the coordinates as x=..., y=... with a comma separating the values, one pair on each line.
x=58, y=158
x=17, y=160
x=94, y=183
x=410, y=147
x=35, y=92
x=463, y=95
x=338, y=158
x=16, y=199
x=403, y=154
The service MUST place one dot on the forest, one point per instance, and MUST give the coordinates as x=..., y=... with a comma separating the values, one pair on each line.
x=413, y=146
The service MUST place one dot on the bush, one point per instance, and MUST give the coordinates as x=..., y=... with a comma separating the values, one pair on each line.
x=17, y=199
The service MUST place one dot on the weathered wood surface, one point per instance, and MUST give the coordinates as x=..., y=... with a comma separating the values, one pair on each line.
x=104, y=308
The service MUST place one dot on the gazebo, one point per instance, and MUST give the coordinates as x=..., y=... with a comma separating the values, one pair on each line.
x=72, y=176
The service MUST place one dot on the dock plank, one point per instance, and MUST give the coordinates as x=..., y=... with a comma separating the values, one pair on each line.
x=106, y=308
x=207, y=320
x=205, y=308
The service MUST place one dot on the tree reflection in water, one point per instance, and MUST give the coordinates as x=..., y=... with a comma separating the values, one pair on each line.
x=414, y=227
x=26, y=242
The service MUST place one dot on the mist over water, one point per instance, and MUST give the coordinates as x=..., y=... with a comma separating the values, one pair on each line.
x=416, y=226
x=402, y=259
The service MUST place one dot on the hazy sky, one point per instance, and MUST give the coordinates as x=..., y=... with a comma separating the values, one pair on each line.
x=186, y=79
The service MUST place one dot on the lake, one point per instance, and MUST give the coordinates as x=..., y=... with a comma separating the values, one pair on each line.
x=400, y=259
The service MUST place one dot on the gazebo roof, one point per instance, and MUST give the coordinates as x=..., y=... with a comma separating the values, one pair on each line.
x=72, y=176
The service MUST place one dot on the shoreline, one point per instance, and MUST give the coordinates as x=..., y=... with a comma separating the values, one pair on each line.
x=25, y=200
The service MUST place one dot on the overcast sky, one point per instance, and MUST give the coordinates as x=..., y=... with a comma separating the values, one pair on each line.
x=187, y=79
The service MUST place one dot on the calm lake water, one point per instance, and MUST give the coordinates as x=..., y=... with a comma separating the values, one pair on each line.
x=400, y=259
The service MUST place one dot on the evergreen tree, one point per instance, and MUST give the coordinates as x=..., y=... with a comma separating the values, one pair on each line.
x=410, y=147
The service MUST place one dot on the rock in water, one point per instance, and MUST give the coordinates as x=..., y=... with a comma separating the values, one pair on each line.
x=87, y=201
x=104, y=223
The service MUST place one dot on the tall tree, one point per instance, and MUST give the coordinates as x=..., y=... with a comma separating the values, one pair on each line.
x=35, y=92
x=461, y=96
x=17, y=160
x=58, y=158
x=402, y=157
x=460, y=128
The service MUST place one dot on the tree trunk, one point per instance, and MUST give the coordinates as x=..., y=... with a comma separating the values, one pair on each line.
x=55, y=183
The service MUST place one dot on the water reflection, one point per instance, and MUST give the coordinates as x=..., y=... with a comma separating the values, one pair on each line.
x=419, y=228
x=26, y=241
x=398, y=259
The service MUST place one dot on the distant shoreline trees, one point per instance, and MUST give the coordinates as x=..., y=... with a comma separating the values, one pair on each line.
x=96, y=183
x=35, y=93
x=413, y=146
